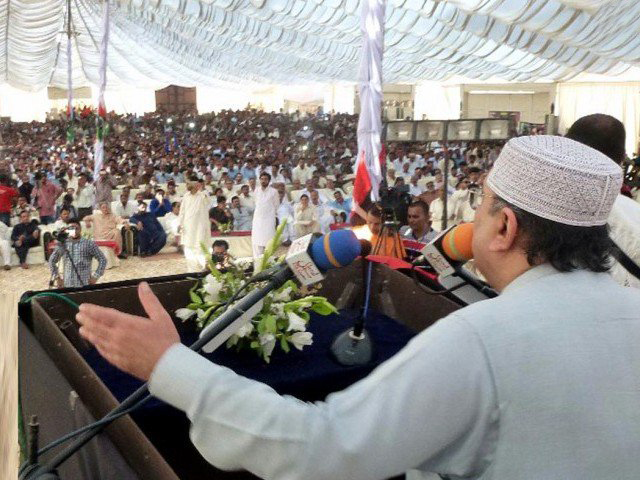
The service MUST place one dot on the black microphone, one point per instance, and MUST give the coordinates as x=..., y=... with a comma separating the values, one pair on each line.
x=305, y=260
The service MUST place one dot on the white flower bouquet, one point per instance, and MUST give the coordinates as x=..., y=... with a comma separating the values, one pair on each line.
x=282, y=321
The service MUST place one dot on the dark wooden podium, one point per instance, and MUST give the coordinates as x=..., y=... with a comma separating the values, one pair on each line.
x=58, y=384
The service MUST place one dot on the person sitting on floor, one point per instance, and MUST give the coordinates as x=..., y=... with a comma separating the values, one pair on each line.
x=151, y=236
x=160, y=205
x=172, y=224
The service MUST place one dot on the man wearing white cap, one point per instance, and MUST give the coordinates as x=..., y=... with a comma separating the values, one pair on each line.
x=538, y=383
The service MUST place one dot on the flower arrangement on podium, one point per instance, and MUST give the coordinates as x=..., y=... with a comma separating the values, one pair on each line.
x=282, y=321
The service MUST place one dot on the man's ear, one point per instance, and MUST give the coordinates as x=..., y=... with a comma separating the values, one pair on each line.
x=505, y=230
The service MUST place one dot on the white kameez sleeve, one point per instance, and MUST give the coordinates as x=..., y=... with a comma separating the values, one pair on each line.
x=432, y=407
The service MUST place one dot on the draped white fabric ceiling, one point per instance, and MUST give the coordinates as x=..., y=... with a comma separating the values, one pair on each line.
x=247, y=42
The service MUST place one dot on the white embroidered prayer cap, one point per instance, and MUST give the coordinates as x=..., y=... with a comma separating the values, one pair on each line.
x=557, y=178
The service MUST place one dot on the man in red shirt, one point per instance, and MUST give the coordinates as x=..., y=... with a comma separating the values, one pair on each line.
x=7, y=194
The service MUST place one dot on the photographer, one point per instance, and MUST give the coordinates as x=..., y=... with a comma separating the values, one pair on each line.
x=77, y=253
x=220, y=255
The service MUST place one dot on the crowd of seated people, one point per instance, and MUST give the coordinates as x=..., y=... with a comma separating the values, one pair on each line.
x=133, y=202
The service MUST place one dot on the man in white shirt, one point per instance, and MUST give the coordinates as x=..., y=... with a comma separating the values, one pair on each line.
x=242, y=216
x=5, y=245
x=415, y=190
x=436, y=207
x=310, y=188
x=301, y=172
x=229, y=189
x=263, y=227
x=455, y=401
x=218, y=170
x=124, y=207
x=406, y=172
x=171, y=224
x=85, y=197
x=246, y=198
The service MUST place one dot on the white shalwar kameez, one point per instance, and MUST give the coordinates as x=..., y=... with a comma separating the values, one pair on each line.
x=196, y=228
x=263, y=227
x=5, y=244
x=285, y=212
x=538, y=383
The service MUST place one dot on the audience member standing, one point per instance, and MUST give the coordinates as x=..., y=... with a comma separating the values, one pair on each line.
x=26, y=187
x=195, y=228
x=45, y=195
x=105, y=184
x=264, y=217
x=5, y=245
x=7, y=195
x=85, y=197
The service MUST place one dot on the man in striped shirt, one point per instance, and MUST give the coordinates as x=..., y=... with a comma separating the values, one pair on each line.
x=77, y=264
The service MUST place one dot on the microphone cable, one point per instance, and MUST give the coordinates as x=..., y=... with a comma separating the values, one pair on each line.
x=427, y=290
x=108, y=418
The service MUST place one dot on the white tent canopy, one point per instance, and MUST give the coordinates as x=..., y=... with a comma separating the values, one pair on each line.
x=228, y=43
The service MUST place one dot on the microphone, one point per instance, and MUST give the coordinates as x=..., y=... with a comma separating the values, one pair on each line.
x=334, y=250
x=449, y=251
x=339, y=249
x=451, y=248
x=307, y=259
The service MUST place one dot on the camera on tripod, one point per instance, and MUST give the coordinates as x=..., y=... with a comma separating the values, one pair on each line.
x=394, y=202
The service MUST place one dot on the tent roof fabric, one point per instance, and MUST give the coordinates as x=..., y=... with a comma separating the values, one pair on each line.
x=228, y=43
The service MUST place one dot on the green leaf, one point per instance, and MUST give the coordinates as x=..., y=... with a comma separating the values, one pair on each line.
x=254, y=344
x=322, y=309
x=207, y=313
x=322, y=306
x=270, y=323
x=272, y=246
x=195, y=298
x=284, y=344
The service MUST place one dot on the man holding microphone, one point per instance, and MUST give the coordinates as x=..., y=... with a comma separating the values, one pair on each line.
x=540, y=382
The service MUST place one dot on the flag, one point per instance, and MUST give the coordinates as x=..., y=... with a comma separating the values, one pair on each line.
x=370, y=151
x=71, y=134
x=102, y=126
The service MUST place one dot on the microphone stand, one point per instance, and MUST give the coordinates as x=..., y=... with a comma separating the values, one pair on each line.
x=141, y=395
x=354, y=346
